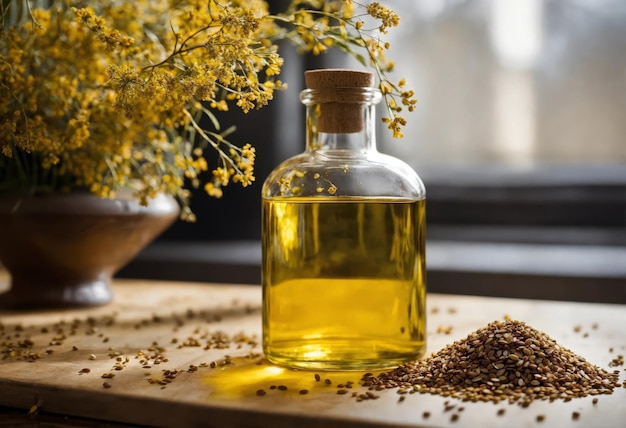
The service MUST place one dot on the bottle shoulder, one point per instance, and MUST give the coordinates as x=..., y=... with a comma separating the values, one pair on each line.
x=336, y=173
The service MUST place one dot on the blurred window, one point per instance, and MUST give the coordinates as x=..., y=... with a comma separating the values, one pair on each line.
x=512, y=82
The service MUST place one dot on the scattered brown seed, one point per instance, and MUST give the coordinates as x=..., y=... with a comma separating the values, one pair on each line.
x=402, y=398
x=594, y=401
x=540, y=418
x=107, y=385
x=426, y=415
x=617, y=361
x=575, y=416
x=342, y=391
x=317, y=377
x=327, y=381
x=282, y=387
x=260, y=392
x=444, y=329
x=454, y=417
x=85, y=370
x=92, y=357
x=303, y=391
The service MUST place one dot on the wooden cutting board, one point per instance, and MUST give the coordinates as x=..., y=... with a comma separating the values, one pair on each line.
x=184, y=354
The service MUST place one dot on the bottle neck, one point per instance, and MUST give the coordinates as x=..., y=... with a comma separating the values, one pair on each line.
x=341, y=120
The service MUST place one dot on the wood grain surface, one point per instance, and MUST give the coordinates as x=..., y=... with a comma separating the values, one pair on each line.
x=188, y=354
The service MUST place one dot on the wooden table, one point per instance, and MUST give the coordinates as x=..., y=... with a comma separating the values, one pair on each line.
x=153, y=327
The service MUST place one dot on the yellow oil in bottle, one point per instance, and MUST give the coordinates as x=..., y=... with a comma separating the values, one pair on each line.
x=343, y=282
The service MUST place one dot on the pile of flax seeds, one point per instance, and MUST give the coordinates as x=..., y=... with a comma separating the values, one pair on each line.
x=506, y=360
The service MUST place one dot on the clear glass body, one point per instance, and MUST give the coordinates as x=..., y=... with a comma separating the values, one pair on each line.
x=343, y=232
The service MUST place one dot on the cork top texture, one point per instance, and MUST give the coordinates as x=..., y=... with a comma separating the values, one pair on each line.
x=338, y=78
x=340, y=111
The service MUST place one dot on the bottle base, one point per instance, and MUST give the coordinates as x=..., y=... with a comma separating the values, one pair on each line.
x=349, y=357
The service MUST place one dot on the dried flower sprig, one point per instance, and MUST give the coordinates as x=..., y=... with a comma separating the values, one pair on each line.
x=115, y=95
x=319, y=26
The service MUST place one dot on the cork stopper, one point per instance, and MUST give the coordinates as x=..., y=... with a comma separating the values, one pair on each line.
x=340, y=111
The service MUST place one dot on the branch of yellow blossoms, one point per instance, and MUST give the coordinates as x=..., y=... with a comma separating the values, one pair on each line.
x=318, y=26
x=116, y=95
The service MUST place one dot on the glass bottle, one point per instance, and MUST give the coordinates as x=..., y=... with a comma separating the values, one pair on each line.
x=343, y=239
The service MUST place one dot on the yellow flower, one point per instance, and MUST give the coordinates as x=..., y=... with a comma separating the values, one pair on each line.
x=113, y=94
x=213, y=190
